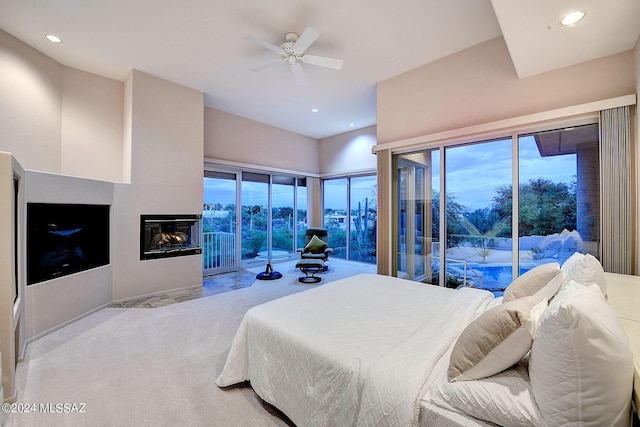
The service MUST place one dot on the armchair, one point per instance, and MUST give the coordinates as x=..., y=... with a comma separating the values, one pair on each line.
x=316, y=245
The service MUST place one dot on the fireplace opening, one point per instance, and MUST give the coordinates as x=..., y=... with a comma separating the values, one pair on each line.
x=163, y=236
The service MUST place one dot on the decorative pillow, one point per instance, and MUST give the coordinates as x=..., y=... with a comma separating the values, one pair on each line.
x=585, y=269
x=539, y=279
x=505, y=398
x=315, y=245
x=581, y=367
x=496, y=340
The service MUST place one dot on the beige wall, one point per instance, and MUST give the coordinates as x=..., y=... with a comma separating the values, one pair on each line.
x=637, y=151
x=30, y=105
x=348, y=153
x=166, y=140
x=236, y=139
x=58, y=119
x=479, y=85
x=92, y=123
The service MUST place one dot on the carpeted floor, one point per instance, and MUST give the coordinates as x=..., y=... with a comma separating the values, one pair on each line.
x=157, y=366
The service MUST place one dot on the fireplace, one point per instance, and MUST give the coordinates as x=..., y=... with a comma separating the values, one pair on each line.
x=163, y=236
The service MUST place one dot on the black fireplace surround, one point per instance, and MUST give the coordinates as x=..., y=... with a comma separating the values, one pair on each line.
x=163, y=236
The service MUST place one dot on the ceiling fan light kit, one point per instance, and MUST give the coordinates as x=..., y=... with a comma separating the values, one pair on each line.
x=293, y=51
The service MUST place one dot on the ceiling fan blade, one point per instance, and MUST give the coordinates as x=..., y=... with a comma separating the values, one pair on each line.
x=298, y=74
x=267, y=65
x=322, y=61
x=263, y=44
x=304, y=41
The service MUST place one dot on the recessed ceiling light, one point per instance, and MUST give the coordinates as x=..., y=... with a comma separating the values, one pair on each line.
x=351, y=125
x=572, y=18
x=314, y=110
x=53, y=38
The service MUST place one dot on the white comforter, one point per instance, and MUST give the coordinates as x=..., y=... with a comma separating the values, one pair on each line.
x=357, y=351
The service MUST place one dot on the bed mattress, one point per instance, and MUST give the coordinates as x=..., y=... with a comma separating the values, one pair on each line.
x=359, y=351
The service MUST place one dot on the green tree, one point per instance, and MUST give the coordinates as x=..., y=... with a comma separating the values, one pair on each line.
x=545, y=207
x=457, y=225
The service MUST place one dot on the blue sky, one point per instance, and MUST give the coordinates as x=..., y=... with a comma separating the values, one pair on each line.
x=473, y=173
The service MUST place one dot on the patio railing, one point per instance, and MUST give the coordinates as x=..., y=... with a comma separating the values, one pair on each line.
x=218, y=250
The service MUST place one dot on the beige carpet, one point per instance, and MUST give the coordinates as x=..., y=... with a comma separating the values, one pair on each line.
x=151, y=367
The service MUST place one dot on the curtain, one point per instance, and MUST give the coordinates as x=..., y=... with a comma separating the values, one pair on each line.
x=616, y=189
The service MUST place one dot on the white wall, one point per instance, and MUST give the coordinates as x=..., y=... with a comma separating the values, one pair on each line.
x=166, y=140
x=348, y=153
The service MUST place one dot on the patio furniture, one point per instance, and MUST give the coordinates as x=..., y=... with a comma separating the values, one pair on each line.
x=310, y=267
x=269, y=273
x=316, y=245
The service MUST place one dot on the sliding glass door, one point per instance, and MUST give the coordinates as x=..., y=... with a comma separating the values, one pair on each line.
x=219, y=222
x=272, y=217
x=255, y=214
x=559, y=195
x=508, y=205
x=419, y=218
x=479, y=249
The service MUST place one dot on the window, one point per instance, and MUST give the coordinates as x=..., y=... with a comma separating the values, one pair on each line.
x=336, y=216
x=272, y=216
x=362, y=238
x=559, y=195
x=255, y=214
x=350, y=217
x=556, y=209
x=479, y=247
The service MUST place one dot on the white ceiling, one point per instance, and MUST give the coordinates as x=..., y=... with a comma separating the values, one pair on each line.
x=199, y=44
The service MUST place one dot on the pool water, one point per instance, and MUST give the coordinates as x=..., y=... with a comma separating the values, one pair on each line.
x=496, y=278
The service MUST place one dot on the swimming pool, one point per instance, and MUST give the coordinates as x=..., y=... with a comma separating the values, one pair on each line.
x=495, y=278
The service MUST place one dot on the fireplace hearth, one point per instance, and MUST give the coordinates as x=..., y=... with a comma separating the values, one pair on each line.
x=163, y=236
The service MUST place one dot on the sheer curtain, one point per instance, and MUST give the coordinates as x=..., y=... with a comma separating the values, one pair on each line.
x=616, y=189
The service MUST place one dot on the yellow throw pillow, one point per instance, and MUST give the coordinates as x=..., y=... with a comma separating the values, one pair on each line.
x=315, y=245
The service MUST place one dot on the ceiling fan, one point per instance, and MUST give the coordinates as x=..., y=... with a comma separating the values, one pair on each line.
x=293, y=51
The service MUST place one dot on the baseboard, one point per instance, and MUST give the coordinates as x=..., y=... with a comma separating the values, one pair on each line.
x=62, y=325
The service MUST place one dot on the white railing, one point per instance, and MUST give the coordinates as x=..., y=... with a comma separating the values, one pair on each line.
x=467, y=272
x=218, y=250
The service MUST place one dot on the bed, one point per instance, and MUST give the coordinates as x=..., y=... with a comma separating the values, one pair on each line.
x=374, y=350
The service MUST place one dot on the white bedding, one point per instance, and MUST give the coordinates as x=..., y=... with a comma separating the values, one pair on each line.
x=358, y=351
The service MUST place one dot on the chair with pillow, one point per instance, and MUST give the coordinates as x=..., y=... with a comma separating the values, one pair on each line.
x=316, y=245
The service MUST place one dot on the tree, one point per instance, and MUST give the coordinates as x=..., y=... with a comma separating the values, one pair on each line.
x=456, y=223
x=545, y=207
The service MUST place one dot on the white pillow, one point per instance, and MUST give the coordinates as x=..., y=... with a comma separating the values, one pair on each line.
x=505, y=398
x=538, y=280
x=496, y=340
x=585, y=269
x=580, y=365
